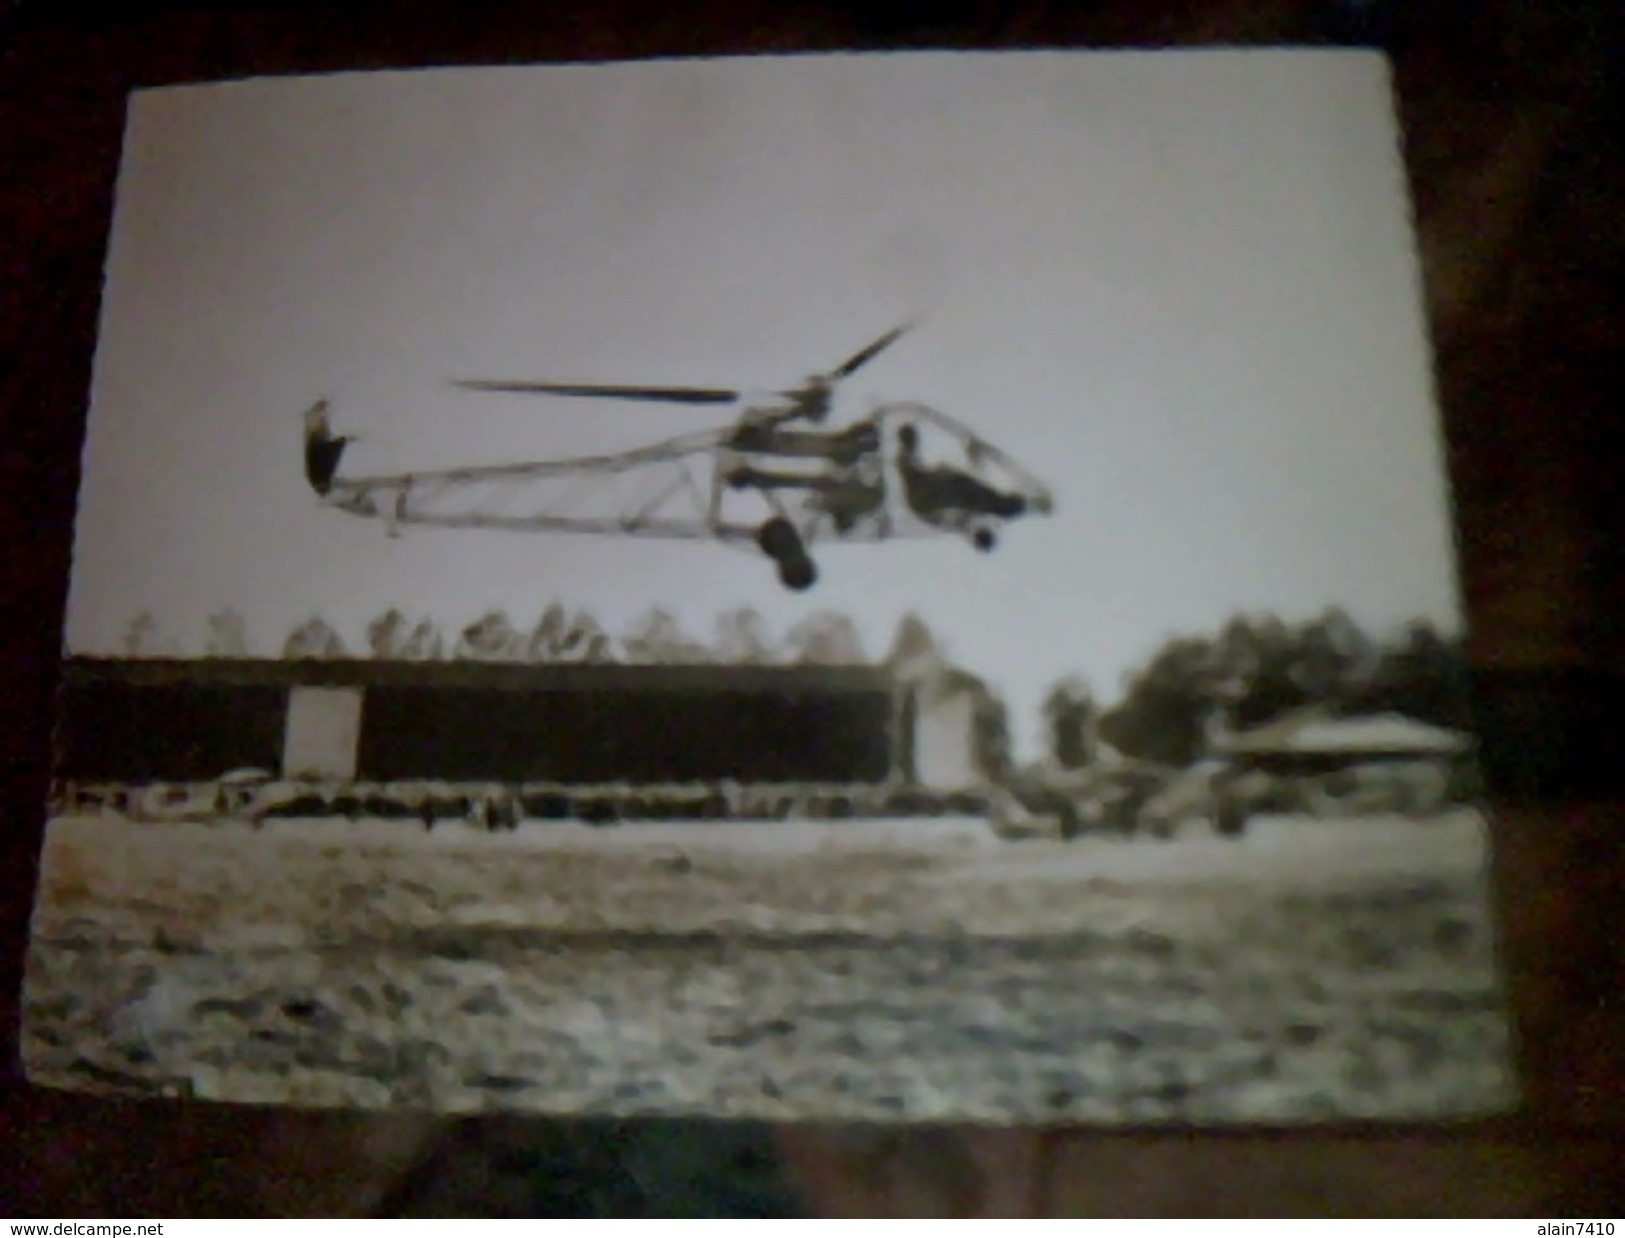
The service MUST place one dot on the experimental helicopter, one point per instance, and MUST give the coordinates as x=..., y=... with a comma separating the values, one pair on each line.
x=905, y=470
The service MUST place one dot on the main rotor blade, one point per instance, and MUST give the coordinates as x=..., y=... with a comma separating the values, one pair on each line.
x=869, y=353
x=665, y=395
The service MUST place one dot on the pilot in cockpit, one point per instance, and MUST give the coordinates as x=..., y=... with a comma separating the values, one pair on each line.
x=948, y=496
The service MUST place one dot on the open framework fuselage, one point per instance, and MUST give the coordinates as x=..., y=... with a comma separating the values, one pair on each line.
x=879, y=478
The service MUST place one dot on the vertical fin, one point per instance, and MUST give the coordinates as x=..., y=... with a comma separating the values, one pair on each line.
x=323, y=449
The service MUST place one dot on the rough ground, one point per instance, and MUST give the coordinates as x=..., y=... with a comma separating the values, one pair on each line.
x=1312, y=970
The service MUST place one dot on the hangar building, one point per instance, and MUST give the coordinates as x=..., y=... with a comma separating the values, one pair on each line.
x=144, y=720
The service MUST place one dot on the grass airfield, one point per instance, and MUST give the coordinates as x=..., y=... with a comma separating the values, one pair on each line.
x=1311, y=970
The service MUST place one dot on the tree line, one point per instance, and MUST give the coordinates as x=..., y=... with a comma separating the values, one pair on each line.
x=560, y=634
x=1254, y=670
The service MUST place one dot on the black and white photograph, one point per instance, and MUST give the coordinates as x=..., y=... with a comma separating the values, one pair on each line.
x=887, y=587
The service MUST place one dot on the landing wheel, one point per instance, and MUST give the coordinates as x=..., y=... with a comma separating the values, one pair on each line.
x=799, y=573
x=781, y=543
x=778, y=539
x=984, y=540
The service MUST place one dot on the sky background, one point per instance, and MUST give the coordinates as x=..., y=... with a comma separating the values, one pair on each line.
x=1180, y=287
